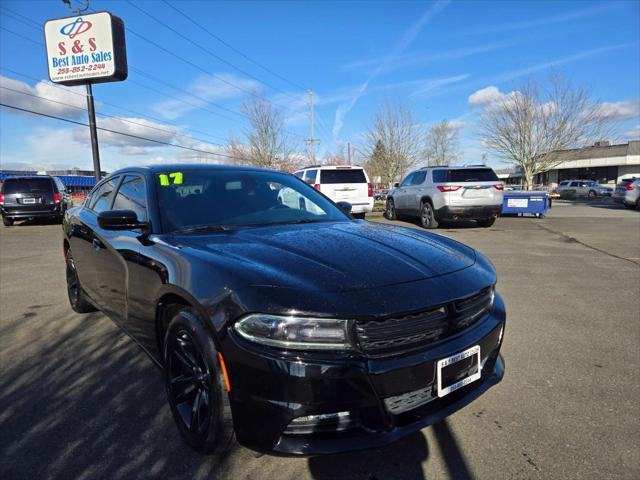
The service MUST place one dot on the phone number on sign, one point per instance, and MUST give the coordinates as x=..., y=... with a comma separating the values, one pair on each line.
x=81, y=68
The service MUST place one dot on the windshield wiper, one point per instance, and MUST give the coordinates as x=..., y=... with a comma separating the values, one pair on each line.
x=203, y=228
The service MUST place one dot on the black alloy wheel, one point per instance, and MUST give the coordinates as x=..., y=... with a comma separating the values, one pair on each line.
x=428, y=216
x=194, y=385
x=77, y=298
x=390, y=211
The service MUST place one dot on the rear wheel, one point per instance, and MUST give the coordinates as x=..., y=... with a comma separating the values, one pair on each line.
x=428, y=216
x=7, y=222
x=194, y=384
x=390, y=211
x=486, y=222
x=77, y=298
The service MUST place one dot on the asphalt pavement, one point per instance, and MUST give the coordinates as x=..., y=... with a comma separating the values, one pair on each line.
x=79, y=400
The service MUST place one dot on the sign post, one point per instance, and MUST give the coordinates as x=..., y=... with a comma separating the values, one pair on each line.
x=87, y=49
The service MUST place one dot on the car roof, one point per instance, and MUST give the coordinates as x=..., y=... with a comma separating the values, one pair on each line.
x=167, y=167
x=26, y=177
x=454, y=167
x=331, y=167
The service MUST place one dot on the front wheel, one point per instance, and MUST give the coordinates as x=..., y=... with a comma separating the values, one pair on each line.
x=390, y=211
x=428, y=216
x=486, y=222
x=194, y=384
x=77, y=298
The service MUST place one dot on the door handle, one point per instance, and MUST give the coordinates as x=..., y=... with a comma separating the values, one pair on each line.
x=97, y=244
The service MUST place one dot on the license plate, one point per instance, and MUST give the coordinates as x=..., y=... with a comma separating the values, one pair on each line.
x=28, y=200
x=458, y=370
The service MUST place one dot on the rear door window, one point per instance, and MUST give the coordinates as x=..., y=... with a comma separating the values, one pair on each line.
x=101, y=199
x=310, y=176
x=472, y=175
x=352, y=175
x=418, y=177
x=440, y=176
x=132, y=196
x=27, y=185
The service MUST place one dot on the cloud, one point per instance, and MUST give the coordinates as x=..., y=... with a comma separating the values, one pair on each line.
x=632, y=133
x=401, y=45
x=620, y=110
x=132, y=127
x=435, y=83
x=68, y=102
x=485, y=96
x=206, y=89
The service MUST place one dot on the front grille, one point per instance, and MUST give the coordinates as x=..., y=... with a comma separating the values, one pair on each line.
x=391, y=335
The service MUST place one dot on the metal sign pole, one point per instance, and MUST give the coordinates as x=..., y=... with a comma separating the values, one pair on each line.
x=93, y=132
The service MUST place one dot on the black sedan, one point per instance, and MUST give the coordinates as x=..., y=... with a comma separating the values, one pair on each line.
x=300, y=329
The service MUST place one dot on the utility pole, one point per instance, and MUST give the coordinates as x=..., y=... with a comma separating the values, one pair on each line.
x=311, y=141
x=94, y=133
x=349, y=152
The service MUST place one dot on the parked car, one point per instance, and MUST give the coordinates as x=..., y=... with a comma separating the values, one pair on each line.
x=627, y=192
x=583, y=188
x=35, y=196
x=342, y=183
x=380, y=194
x=274, y=322
x=434, y=194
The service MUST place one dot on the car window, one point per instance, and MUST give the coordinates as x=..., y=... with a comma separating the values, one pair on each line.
x=564, y=183
x=439, y=176
x=407, y=180
x=27, y=185
x=310, y=176
x=418, y=177
x=299, y=174
x=575, y=184
x=132, y=196
x=351, y=175
x=101, y=199
x=472, y=175
x=232, y=198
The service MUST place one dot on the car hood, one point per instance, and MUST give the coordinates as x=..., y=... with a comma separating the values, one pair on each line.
x=331, y=256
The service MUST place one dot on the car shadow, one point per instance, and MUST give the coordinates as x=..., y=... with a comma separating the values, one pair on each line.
x=36, y=221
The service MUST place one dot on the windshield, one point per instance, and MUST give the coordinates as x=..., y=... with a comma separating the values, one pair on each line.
x=27, y=185
x=343, y=176
x=193, y=199
x=472, y=175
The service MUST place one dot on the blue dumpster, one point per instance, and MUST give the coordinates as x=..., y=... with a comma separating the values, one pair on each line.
x=519, y=203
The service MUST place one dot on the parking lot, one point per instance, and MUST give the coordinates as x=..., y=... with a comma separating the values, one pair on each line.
x=78, y=399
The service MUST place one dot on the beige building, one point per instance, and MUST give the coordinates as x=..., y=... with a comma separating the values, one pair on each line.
x=602, y=162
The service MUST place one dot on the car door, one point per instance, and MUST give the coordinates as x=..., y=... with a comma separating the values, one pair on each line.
x=400, y=194
x=415, y=190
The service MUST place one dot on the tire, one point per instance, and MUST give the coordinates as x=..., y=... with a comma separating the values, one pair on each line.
x=630, y=206
x=428, y=216
x=195, y=387
x=390, y=210
x=77, y=297
x=591, y=194
x=486, y=222
x=7, y=222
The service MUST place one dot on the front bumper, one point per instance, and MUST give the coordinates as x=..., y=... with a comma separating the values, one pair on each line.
x=452, y=212
x=269, y=389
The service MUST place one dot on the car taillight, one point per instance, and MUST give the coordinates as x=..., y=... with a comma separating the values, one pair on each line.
x=1, y=198
x=370, y=189
x=499, y=186
x=317, y=186
x=629, y=186
x=56, y=197
x=448, y=188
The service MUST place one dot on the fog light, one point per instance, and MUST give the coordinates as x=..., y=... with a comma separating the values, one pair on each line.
x=321, y=423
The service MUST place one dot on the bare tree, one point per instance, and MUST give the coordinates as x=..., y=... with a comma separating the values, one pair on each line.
x=393, y=142
x=441, y=144
x=266, y=144
x=337, y=158
x=530, y=126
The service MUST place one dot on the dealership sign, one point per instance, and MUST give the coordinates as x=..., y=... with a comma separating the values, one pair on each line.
x=86, y=49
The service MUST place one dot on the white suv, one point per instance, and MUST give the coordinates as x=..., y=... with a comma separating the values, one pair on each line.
x=447, y=193
x=342, y=184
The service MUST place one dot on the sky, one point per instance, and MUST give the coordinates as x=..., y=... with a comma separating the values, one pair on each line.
x=187, y=82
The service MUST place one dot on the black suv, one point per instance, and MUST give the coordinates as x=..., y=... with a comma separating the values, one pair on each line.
x=38, y=196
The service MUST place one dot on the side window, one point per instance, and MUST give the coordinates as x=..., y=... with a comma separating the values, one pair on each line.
x=418, y=177
x=299, y=174
x=575, y=184
x=407, y=180
x=101, y=198
x=439, y=176
x=310, y=176
x=132, y=196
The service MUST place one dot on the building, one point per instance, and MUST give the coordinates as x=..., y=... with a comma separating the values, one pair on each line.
x=602, y=162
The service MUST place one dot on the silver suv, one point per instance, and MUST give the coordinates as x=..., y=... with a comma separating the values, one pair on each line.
x=447, y=193
x=627, y=192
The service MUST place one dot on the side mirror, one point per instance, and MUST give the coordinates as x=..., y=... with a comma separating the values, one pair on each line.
x=396, y=184
x=120, y=220
x=345, y=207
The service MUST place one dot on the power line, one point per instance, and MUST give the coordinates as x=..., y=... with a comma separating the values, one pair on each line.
x=139, y=137
x=125, y=120
x=211, y=34
x=20, y=35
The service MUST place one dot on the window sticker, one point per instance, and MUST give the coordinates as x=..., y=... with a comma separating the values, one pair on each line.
x=174, y=178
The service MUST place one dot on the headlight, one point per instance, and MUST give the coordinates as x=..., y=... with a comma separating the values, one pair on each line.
x=296, y=333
